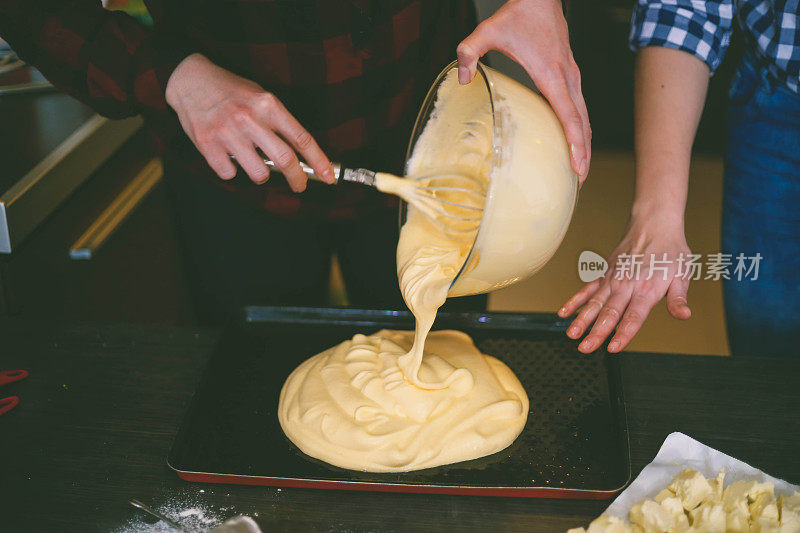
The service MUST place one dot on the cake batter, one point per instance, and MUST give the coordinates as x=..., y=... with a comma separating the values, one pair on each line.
x=374, y=402
x=397, y=401
x=352, y=406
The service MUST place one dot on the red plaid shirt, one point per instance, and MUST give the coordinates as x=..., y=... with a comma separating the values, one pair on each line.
x=353, y=72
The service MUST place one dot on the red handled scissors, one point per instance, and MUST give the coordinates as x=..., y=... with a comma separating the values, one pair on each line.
x=10, y=376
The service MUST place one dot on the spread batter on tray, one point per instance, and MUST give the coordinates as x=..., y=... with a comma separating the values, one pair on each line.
x=396, y=400
x=353, y=407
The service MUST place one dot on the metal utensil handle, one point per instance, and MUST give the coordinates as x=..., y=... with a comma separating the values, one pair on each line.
x=160, y=516
x=337, y=170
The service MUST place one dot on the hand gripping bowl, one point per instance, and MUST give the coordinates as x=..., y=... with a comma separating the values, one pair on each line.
x=532, y=189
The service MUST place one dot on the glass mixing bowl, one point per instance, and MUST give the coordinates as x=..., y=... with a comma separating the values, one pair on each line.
x=532, y=189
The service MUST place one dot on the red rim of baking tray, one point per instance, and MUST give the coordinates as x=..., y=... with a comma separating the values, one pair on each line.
x=527, y=492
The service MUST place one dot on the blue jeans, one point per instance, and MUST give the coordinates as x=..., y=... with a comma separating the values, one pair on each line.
x=761, y=214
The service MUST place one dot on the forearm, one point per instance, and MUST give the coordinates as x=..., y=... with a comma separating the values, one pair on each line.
x=105, y=59
x=670, y=89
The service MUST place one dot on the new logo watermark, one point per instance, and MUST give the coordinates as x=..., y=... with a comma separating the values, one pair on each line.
x=715, y=266
x=591, y=266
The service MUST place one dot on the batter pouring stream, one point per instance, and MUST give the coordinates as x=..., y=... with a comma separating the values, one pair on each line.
x=396, y=401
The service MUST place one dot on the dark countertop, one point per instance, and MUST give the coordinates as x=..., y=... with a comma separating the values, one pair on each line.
x=99, y=411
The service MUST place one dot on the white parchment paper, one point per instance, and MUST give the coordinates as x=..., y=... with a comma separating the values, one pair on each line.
x=678, y=453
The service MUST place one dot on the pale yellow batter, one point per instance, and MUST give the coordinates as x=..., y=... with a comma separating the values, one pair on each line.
x=353, y=407
x=397, y=401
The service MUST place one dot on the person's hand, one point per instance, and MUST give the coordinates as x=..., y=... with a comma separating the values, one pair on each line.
x=534, y=34
x=624, y=296
x=225, y=115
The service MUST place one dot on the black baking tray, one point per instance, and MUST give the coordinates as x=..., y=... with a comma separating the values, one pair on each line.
x=574, y=444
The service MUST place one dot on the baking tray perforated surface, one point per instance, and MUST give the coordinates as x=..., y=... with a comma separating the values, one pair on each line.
x=574, y=443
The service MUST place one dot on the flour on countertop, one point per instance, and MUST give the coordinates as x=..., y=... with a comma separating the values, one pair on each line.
x=187, y=508
x=195, y=511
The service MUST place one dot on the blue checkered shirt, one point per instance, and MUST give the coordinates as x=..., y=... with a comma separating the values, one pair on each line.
x=703, y=28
